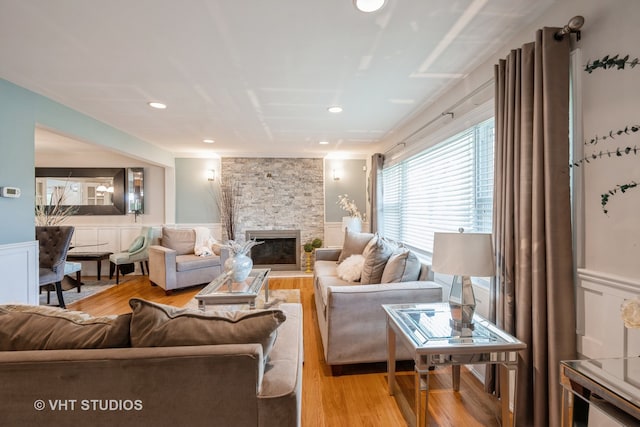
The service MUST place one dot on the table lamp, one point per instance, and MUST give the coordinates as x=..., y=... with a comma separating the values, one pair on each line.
x=463, y=255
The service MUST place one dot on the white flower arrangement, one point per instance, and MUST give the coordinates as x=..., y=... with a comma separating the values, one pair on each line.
x=630, y=311
x=349, y=206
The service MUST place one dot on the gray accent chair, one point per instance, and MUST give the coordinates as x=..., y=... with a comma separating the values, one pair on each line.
x=53, y=244
x=173, y=263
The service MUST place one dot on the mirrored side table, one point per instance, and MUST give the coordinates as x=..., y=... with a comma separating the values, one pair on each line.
x=610, y=386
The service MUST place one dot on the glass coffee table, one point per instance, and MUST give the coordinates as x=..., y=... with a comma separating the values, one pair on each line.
x=425, y=330
x=224, y=291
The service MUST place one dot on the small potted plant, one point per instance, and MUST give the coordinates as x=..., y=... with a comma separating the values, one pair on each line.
x=309, y=247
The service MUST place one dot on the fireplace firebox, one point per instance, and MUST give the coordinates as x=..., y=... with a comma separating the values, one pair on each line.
x=280, y=250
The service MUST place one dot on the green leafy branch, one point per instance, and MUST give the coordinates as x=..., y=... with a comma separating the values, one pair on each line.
x=608, y=62
x=618, y=153
x=604, y=198
x=628, y=130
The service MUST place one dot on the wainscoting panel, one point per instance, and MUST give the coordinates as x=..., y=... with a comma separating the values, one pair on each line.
x=19, y=272
x=600, y=329
x=334, y=233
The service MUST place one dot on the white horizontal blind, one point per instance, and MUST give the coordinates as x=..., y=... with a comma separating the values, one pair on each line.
x=447, y=186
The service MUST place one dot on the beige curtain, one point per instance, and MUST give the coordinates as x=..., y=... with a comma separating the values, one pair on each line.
x=532, y=230
x=375, y=193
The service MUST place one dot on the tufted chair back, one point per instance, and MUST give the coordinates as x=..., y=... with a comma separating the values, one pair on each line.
x=54, y=243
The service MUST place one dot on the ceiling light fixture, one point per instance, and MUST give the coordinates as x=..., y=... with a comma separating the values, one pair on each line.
x=323, y=142
x=335, y=109
x=368, y=5
x=208, y=141
x=157, y=105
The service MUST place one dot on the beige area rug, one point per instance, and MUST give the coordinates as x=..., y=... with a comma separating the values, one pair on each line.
x=278, y=274
x=276, y=297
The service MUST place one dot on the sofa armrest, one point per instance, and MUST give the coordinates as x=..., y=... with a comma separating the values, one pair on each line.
x=328, y=254
x=162, y=266
x=356, y=321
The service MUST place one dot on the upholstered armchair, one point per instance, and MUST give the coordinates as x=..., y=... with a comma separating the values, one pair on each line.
x=138, y=251
x=54, y=243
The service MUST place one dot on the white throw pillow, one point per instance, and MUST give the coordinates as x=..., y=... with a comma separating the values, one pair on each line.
x=351, y=268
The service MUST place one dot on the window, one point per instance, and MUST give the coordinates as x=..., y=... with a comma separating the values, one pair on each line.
x=443, y=188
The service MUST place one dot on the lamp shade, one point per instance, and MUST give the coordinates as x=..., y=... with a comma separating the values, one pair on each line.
x=463, y=254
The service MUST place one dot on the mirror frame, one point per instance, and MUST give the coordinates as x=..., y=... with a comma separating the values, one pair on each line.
x=119, y=177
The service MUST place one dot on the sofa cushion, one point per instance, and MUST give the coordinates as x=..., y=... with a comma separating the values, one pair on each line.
x=194, y=262
x=351, y=268
x=159, y=325
x=354, y=244
x=402, y=266
x=30, y=327
x=376, y=255
x=181, y=241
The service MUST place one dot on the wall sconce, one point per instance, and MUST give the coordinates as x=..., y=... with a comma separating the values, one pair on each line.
x=211, y=175
x=337, y=174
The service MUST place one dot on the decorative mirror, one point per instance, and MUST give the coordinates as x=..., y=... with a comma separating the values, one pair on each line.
x=135, y=191
x=93, y=191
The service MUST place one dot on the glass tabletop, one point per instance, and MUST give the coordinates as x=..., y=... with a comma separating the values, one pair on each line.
x=620, y=376
x=224, y=285
x=428, y=325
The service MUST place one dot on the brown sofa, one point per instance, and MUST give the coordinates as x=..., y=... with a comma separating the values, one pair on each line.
x=173, y=263
x=195, y=385
x=351, y=320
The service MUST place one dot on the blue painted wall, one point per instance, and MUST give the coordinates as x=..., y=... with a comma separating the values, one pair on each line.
x=195, y=202
x=20, y=111
x=353, y=181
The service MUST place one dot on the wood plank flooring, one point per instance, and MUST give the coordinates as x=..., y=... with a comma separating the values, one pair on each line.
x=359, y=397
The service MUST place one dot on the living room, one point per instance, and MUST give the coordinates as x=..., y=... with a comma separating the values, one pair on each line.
x=605, y=244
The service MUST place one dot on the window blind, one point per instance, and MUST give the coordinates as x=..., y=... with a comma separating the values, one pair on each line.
x=443, y=188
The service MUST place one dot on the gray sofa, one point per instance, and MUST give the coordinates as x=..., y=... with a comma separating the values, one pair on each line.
x=350, y=316
x=197, y=385
x=174, y=265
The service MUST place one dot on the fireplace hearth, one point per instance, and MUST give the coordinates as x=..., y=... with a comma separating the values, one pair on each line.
x=280, y=250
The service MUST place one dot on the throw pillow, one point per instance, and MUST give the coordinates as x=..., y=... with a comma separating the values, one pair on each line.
x=136, y=244
x=28, y=327
x=376, y=255
x=159, y=325
x=181, y=241
x=403, y=266
x=351, y=268
x=354, y=244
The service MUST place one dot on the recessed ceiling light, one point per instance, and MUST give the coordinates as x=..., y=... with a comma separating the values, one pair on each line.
x=158, y=105
x=368, y=5
x=323, y=142
x=335, y=109
x=208, y=141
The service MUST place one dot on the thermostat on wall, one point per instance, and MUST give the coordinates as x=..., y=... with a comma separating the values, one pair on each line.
x=10, y=192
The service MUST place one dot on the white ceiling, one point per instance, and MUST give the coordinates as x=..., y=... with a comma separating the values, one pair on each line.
x=255, y=75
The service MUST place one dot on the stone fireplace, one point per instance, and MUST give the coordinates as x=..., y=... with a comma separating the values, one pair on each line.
x=280, y=250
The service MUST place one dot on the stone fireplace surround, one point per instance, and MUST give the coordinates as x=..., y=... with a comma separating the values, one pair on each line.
x=279, y=194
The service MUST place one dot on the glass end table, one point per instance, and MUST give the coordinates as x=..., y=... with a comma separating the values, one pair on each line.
x=224, y=291
x=425, y=329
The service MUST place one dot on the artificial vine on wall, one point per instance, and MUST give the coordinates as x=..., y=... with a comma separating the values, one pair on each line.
x=609, y=62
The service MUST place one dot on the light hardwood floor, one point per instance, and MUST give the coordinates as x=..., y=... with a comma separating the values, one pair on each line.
x=359, y=397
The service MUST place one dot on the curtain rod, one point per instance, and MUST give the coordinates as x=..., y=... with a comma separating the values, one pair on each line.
x=573, y=26
x=447, y=112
